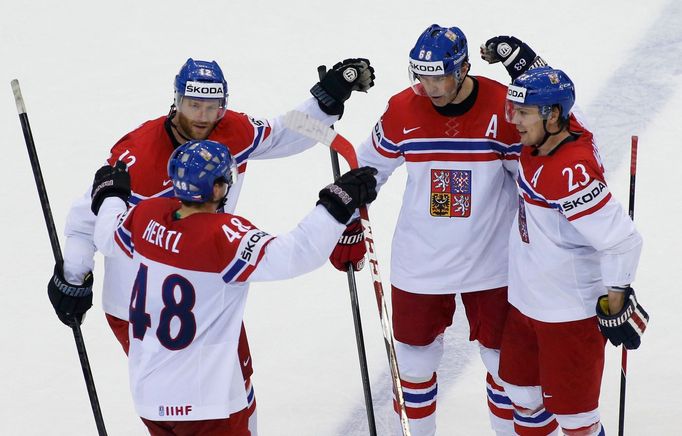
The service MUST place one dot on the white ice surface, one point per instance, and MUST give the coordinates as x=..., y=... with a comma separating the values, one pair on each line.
x=91, y=71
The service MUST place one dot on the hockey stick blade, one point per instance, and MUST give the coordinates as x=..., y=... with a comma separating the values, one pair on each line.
x=315, y=129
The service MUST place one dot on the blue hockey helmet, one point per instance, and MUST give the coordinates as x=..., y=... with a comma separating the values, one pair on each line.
x=201, y=79
x=439, y=51
x=196, y=166
x=545, y=88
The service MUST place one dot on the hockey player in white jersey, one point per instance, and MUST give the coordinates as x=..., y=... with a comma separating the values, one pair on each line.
x=449, y=131
x=193, y=266
x=572, y=248
x=199, y=111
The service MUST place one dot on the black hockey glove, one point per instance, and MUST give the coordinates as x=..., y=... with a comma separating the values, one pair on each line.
x=70, y=301
x=110, y=182
x=354, y=189
x=625, y=327
x=516, y=56
x=335, y=86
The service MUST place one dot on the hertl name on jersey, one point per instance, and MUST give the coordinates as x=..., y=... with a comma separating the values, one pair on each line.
x=583, y=200
x=158, y=235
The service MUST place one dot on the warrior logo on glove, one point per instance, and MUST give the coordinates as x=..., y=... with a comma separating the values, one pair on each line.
x=625, y=327
x=336, y=85
x=504, y=50
x=350, y=74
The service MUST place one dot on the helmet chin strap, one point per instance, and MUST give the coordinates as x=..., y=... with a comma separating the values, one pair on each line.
x=548, y=134
x=460, y=83
x=222, y=202
x=173, y=112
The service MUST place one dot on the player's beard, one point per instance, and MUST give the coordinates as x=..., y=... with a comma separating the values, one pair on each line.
x=192, y=129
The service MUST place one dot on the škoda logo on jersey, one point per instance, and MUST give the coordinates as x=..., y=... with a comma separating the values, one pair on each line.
x=204, y=90
x=450, y=193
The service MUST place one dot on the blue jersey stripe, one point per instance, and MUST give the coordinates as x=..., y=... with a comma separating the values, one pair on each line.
x=246, y=153
x=238, y=266
x=124, y=237
x=461, y=145
x=525, y=188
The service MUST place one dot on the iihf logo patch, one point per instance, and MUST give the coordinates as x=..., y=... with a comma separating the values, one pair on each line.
x=450, y=193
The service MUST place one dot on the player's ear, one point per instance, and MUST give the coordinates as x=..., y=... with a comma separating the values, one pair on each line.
x=465, y=68
x=218, y=190
x=555, y=115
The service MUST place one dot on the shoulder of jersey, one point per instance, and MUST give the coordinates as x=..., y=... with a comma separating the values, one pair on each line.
x=489, y=89
x=239, y=131
x=403, y=109
x=136, y=140
x=573, y=167
x=402, y=100
x=162, y=204
x=580, y=150
x=200, y=223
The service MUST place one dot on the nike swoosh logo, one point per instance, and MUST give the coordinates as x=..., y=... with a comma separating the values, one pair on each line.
x=167, y=182
x=546, y=395
x=246, y=362
x=406, y=131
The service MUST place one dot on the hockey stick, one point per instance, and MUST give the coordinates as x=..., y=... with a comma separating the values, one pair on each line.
x=314, y=129
x=355, y=307
x=624, y=351
x=56, y=250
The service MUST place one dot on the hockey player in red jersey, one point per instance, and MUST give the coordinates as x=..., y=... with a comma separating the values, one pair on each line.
x=452, y=234
x=192, y=268
x=199, y=111
x=571, y=248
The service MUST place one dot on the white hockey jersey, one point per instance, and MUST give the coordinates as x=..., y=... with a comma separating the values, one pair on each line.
x=146, y=151
x=188, y=298
x=571, y=237
x=460, y=198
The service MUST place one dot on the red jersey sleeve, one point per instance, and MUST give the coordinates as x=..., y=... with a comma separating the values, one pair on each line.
x=244, y=246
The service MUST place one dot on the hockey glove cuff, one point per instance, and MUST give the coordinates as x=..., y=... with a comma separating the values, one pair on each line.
x=335, y=87
x=354, y=189
x=625, y=327
x=350, y=250
x=516, y=56
x=70, y=301
x=110, y=182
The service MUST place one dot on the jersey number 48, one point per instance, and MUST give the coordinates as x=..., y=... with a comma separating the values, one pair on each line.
x=182, y=310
